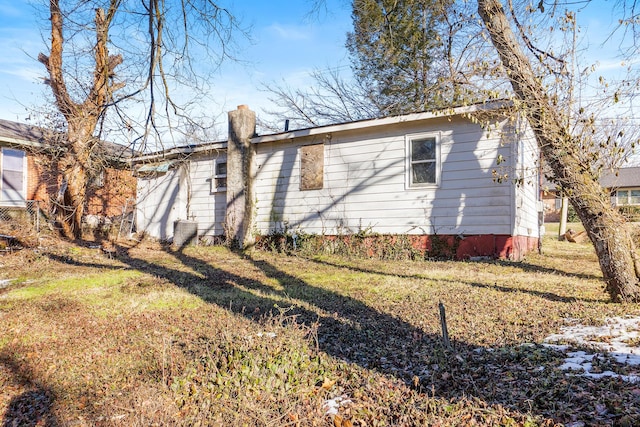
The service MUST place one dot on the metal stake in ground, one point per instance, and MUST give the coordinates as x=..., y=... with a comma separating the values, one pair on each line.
x=443, y=323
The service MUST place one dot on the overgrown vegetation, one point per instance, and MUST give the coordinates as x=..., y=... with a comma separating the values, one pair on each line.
x=363, y=244
x=207, y=336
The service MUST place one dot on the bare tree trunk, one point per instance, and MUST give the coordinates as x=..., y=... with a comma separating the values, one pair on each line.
x=76, y=167
x=606, y=227
x=81, y=117
x=69, y=215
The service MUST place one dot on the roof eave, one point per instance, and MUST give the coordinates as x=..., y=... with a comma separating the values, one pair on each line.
x=385, y=121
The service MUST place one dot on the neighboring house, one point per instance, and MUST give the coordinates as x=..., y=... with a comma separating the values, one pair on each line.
x=434, y=177
x=623, y=184
x=28, y=172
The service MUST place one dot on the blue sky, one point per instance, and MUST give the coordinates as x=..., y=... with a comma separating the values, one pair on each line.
x=286, y=45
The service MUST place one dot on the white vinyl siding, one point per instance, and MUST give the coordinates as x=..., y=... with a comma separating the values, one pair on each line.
x=208, y=198
x=191, y=190
x=525, y=182
x=13, y=177
x=160, y=203
x=365, y=180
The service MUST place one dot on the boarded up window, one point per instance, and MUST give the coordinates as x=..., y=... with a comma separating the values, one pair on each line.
x=312, y=167
x=13, y=176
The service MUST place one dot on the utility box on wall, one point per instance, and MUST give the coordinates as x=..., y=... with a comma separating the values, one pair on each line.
x=185, y=233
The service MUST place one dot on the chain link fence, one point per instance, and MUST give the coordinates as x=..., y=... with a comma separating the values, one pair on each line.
x=22, y=215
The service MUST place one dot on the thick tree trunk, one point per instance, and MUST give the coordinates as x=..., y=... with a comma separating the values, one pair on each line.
x=240, y=197
x=69, y=214
x=81, y=117
x=77, y=164
x=606, y=227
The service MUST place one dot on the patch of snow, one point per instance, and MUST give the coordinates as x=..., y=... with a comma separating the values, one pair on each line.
x=614, y=339
x=5, y=282
x=261, y=335
x=332, y=405
x=266, y=334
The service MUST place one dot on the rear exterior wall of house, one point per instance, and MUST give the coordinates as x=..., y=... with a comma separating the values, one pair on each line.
x=473, y=189
x=484, y=198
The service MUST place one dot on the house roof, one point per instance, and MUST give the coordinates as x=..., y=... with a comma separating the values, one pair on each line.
x=22, y=134
x=619, y=178
x=372, y=123
x=182, y=151
x=623, y=177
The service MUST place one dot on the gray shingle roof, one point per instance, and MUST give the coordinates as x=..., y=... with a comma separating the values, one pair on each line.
x=625, y=177
x=24, y=134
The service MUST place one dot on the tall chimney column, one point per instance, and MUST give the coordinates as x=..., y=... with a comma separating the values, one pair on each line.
x=240, y=198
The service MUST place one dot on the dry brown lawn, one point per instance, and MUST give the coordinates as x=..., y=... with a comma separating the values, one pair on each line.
x=150, y=335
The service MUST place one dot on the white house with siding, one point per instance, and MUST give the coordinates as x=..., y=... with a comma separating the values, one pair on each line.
x=423, y=175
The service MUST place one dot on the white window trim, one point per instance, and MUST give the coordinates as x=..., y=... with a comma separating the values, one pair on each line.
x=216, y=176
x=409, y=184
x=16, y=203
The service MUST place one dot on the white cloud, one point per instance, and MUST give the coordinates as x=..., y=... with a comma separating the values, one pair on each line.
x=290, y=32
x=617, y=64
x=28, y=74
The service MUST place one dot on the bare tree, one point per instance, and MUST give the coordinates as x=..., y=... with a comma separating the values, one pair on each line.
x=332, y=99
x=153, y=43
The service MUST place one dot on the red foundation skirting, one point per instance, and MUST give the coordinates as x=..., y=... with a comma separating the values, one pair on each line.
x=441, y=246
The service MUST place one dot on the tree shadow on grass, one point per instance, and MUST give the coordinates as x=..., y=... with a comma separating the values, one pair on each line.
x=355, y=332
x=347, y=328
x=33, y=406
x=531, y=268
x=534, y=268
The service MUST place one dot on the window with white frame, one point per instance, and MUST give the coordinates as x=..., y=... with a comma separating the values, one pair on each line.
x=219, y=180
x=628, y=196
x=13, y=181
x=423, y=160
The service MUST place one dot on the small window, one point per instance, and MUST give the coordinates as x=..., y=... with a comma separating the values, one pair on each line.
x=423, y=160
x=98, y=180
x=312, y=167
x=634, y=199
x=13, y=171
x=622, y=197
x=219, y=180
